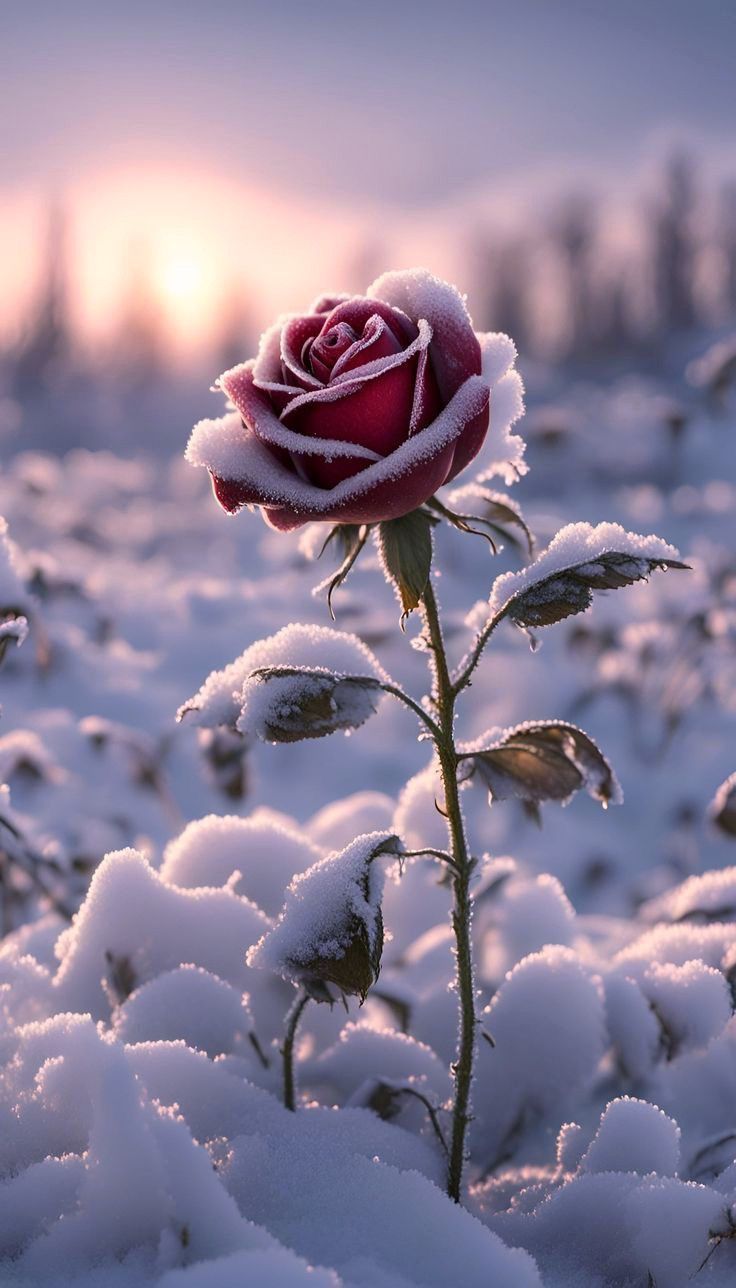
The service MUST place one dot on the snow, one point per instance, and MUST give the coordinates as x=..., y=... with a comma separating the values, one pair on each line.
x=13, y=595
x=502, y=453
x=634, y=1136
x=255, y=857
x=142, y=1135
x=188, y=1003
x=376, y=1225
x=708, y=897
x=15, y=630
x=131, y=915
x=547, y=1025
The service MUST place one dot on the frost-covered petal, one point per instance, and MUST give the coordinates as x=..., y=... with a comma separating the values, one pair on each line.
x=502, y=452
x=245, y=472
x=455, y=351
x=258, y=414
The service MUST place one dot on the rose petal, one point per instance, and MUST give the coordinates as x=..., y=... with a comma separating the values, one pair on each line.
x=326, y=303
x=384, y=489
x=359, y=309
x=377, y=341
x=330, y=346
x=294, y=336
x=375, y=413
x=255, y=407
x=455, y=351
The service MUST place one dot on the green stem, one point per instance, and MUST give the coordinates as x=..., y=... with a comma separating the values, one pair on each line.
x=444, y=697
x=293, y=1016
x=409, y=702
x=467, y=666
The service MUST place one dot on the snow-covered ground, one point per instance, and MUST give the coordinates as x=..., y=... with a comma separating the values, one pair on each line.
x=142, y=1136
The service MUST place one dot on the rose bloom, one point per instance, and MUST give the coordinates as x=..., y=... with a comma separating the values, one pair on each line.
x=357, y=411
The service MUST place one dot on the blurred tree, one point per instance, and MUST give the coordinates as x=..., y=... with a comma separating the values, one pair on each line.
x=503, y=288
x=46, y=344
x=140, y=347
x=238, y=337
x=728, y=244
x=574, y=233
x=674, y=250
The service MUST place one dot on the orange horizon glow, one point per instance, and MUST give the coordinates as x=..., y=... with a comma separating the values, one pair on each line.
x=195, y=243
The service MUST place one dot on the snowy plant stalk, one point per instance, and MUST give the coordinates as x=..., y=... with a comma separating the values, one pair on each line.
x=444, y=695
x=293, y=1016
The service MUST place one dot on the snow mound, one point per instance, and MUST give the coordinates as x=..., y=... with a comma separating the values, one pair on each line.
x=187, y=1003
x=132, y=927
x=634, y=1136
x=255, y=857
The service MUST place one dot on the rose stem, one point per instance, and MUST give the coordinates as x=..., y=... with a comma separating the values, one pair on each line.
x=444, y=697
x=293, y=1016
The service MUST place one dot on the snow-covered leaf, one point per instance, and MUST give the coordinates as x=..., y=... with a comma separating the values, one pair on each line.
x=580, y=560
x=545, y=761
x=287, y=704
x=723, y=806
x=222, y=697
x=331, y=928
x=12, y=631
x=495, y=510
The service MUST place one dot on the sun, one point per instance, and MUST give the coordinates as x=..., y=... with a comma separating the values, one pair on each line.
x=180, y=278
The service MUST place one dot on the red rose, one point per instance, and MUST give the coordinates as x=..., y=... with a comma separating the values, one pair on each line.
x=357, y=411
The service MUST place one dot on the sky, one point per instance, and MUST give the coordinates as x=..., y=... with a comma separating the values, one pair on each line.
x=264, y=141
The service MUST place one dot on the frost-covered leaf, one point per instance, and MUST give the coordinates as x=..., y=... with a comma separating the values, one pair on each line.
x=288, y=704
x=405, y=547
x=545, y=761
x=723, y=807
x=580, y=560
x=331, y=929
x=14, y=599
x=708, y=897
x=220, y=700
x=12, y=631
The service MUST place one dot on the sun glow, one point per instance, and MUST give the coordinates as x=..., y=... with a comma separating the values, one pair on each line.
x=180, y=279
